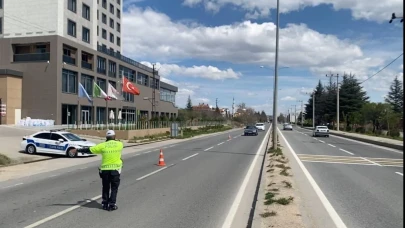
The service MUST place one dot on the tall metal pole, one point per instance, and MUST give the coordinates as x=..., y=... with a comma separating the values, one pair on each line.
x=153, y=91
x=313, y=110
x=275, y=80
x=337, y=103
x=302, y=114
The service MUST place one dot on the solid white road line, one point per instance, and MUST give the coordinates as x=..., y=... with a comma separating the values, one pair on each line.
x=40, y=222
x=346, y=163
x=328, y=206
x=189, y=156
x=399, y=173
x=331, y=145
x=209, y=148
x=220, y=143
x=346, y=151
x=370, y=161
x=235, y=205
x=150, y=174
x=12, y=185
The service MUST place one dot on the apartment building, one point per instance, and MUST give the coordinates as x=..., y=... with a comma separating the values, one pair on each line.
x=48, y=46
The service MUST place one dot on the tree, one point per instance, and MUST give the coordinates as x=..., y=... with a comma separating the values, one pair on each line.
x=319, y=104
x=395, y=96
x=352, y=97
x=189, y=105
x=330, y=102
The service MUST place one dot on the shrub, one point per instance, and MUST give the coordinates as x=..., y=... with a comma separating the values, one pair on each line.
x=394, y=133
x=4, y=160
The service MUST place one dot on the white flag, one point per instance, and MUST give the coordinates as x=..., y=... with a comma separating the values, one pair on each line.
x=112, y=93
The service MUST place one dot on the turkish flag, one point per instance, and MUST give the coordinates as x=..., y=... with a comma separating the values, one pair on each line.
x=128, y=87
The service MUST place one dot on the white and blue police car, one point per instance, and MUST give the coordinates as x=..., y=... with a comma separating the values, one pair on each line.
x=55, y=142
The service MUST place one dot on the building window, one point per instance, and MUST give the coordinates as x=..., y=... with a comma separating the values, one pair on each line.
x=118, y=13
x=72, y=5
x=128, y=73
x=71, y=28
x=1, y=25
x=1, y=4
x=118, y=41
x=154, y=84
x=69, y=81
x=86, y=12
x=97, y=29
x=97, y=15
x=111, y=38
x=118, y=27
x=111, y=23
x=142, y=79
x=112, y=9
x=104, y=18
x=112, y=69
x=128, y=97
x=86, y=34
x=87, y=82
x=102, y=83
x=113, y=84
x=104, y=4
x=119, y=2
x=167, y=95
x=104, y=34
x=101, y=65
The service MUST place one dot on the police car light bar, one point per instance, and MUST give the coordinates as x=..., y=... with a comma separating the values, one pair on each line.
x=55, y=130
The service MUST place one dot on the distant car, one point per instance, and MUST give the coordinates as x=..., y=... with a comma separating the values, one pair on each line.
x=321, y=131
x=251, y=130
x=54, y=142
x=287, y=127
x=260, y=126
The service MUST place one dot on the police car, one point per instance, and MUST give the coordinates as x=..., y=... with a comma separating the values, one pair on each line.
x=54, y=142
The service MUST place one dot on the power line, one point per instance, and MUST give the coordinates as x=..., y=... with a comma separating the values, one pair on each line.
x=383, y=68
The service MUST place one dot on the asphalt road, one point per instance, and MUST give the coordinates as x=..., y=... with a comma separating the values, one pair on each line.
x=196, y=189
x=363, y=183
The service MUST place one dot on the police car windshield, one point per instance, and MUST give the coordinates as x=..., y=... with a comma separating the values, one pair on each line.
x=72, y=137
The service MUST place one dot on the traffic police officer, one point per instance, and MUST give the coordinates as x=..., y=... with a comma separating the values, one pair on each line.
x=110, y=169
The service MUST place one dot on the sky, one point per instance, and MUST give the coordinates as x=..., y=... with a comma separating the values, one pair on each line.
x=225, y=49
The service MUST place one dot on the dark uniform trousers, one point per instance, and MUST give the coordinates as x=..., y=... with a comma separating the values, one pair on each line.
x=111, y=180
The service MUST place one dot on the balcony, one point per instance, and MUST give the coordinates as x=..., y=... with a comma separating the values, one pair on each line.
x=32, y=57
x=112, y=74
x=101, y=71
x=122, y=58
x=87, y=65
x=69, y=60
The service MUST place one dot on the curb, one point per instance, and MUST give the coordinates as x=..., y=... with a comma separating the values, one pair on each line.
x=255, y=220
x=379, y=143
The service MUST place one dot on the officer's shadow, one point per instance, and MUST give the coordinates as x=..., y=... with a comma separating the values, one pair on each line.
x=86, y=203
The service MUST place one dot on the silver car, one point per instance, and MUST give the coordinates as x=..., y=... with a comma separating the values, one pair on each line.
x=321, y=131
x=288, y=127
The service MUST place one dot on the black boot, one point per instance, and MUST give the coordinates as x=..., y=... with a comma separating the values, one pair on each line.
x=112, y=207
x=105, y=205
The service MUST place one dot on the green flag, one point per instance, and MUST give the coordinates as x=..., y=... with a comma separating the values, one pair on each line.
x=98, y=92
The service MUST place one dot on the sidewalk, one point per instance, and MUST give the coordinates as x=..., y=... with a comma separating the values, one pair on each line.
x=391, y=143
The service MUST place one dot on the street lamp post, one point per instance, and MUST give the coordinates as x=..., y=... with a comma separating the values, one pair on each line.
x=275, y=79
x=302, y=114
x=337, y=99
x=313, y=108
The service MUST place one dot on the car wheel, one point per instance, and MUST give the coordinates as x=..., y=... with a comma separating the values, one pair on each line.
x=70, y=154
x=31, y=149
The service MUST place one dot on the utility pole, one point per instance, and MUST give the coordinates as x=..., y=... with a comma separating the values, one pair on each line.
x=153, y=91
x=275, y=79
x=216, y=102
x=313, y=110
x=302, y=113
x=337, y=98
x=295, y=114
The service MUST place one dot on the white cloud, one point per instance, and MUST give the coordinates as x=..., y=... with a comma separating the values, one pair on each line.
x=288, y=98
x=245, y=42
x=207, y=72
x=373, y=10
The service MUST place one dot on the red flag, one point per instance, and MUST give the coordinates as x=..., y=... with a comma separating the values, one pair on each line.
x=128, y=87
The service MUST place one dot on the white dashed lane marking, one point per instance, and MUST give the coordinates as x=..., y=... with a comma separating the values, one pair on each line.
x=189, y=156
x=209, y=148
x=331, y=145
x=346, y=151
x=399, y=173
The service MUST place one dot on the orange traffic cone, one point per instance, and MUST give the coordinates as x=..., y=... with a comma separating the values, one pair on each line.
x=161, y=159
